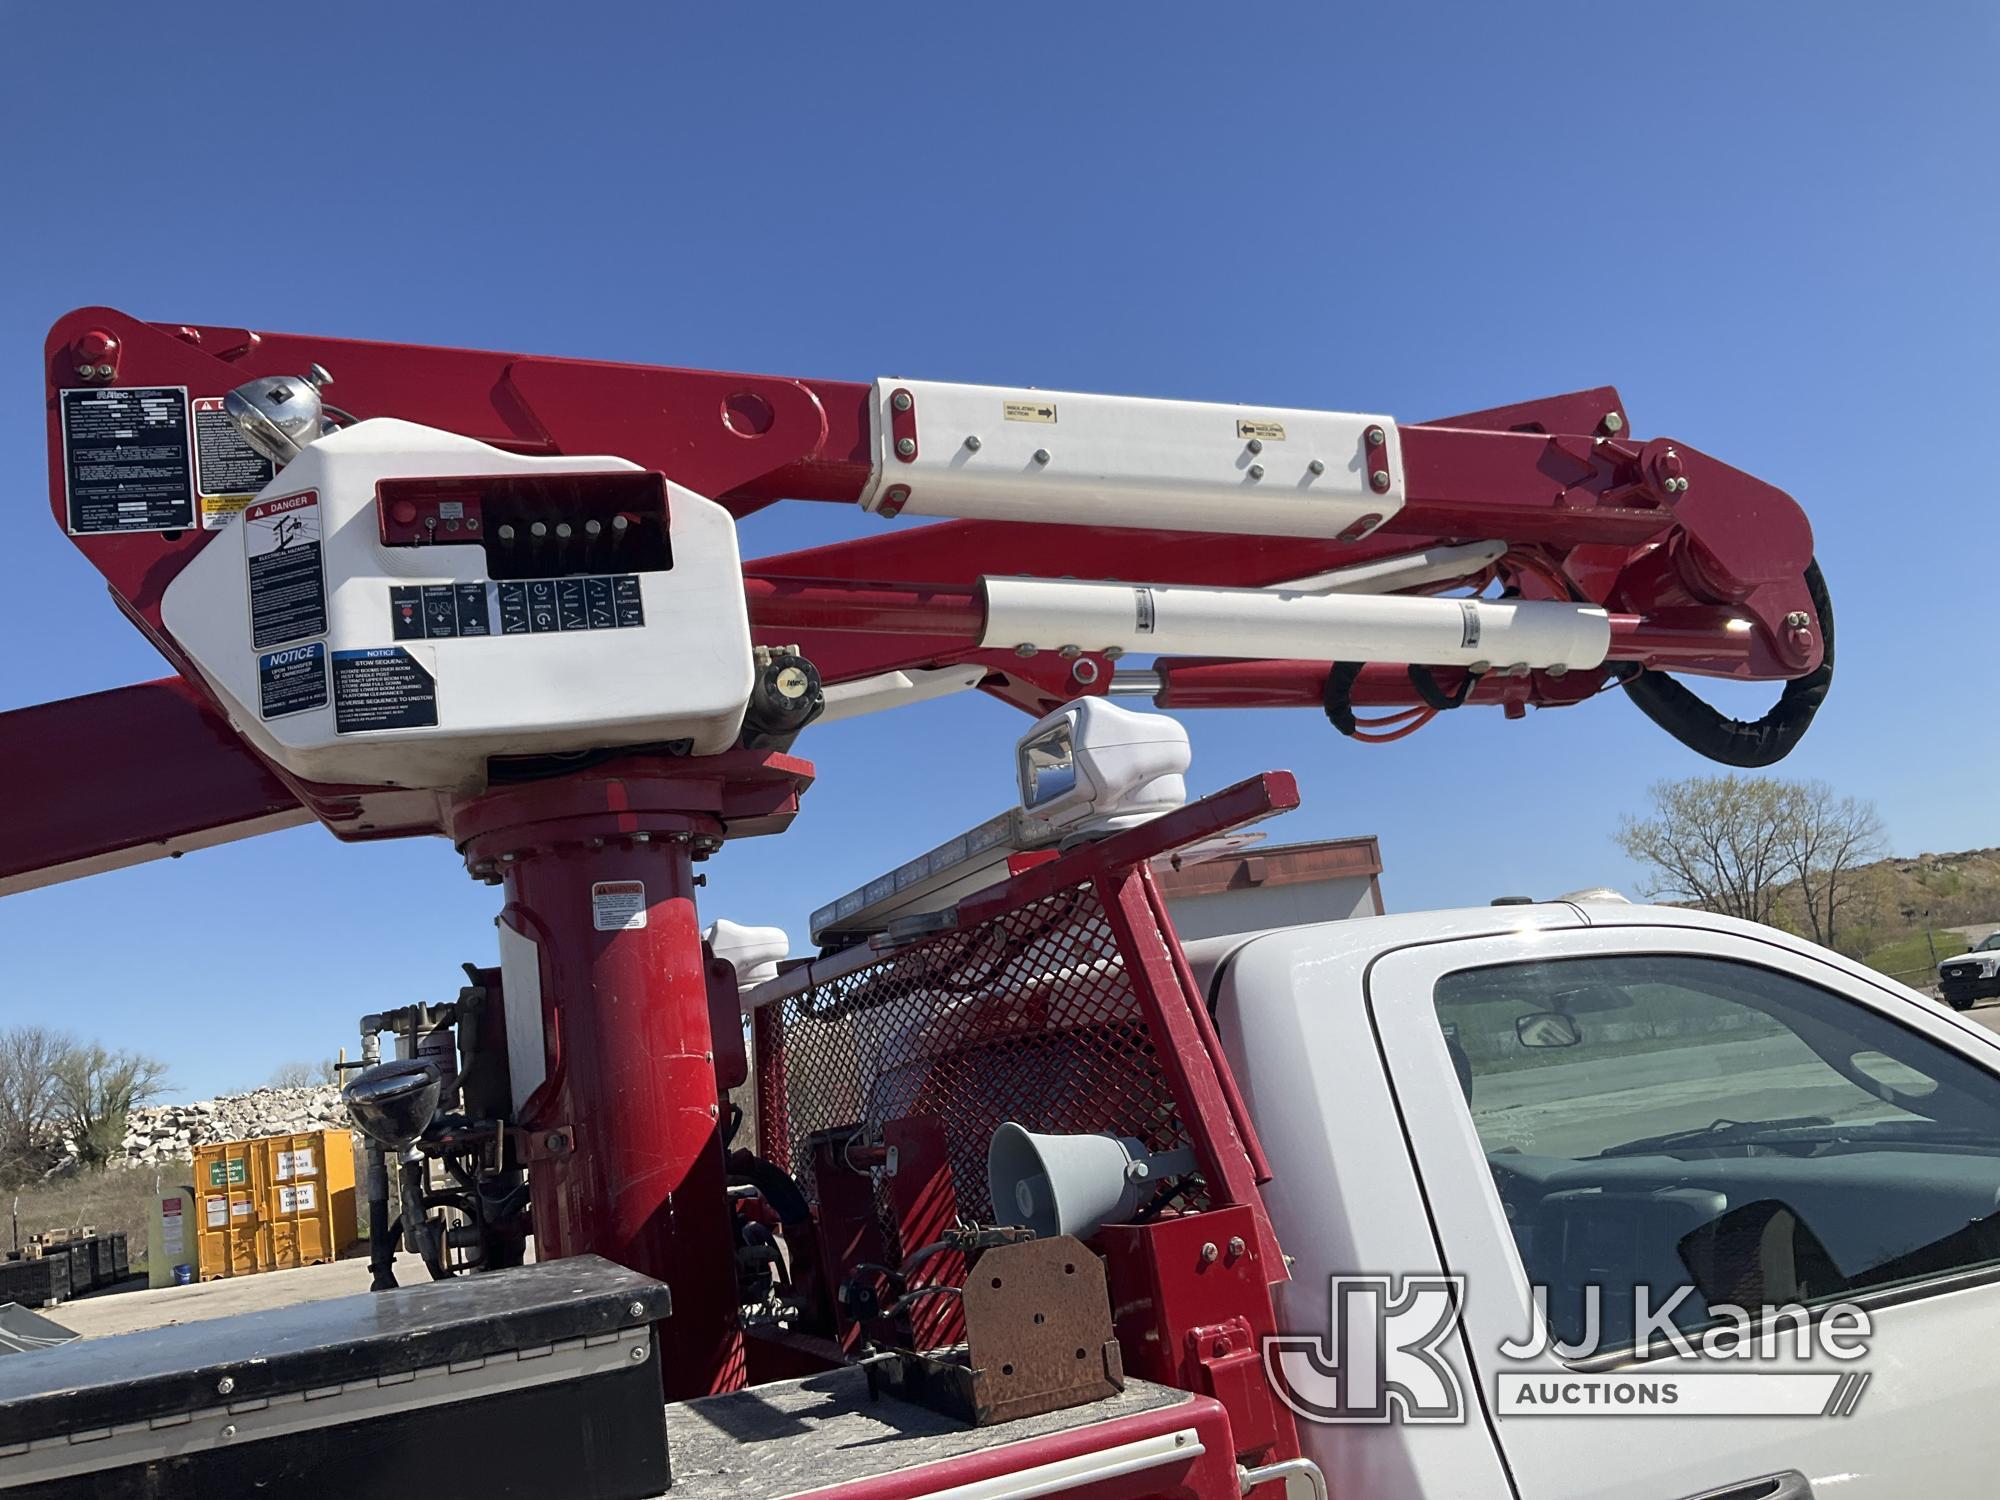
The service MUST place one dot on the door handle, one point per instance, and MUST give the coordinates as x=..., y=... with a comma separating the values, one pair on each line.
x=1790, y=1485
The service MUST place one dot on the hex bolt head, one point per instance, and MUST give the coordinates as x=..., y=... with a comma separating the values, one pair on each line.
x=1613, y=422
x=104, y=372
x=1379, y=479
x=85, y=372
x=901, y=401
x=636, y=1309
x=1317, y=466
x=225, y=1385
x=1041, y=455
x=228, y=1432
x=972, y=442
x=1256, y=471
x=1210, y=1253
x=906, y=446
x=638, y=1354
x=1070, y=653
x=1797, y=620
x=1377, y=437
x=1236, y=1246
x=1024, y=649
x=1255, y=445
x=1112, y=653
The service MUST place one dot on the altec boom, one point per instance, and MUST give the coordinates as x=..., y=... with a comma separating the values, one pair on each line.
x=498, y=598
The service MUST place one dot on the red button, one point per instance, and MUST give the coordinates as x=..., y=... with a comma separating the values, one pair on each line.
x=403, y=512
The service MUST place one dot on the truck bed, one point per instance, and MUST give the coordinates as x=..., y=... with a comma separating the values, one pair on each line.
x=824, y=1432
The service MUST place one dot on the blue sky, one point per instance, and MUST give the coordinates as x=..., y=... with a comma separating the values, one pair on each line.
x=1772, y=226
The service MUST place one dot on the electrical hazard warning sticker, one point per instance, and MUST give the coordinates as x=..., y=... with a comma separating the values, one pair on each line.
x=618, y=905
x=228, y=471
x=281, y=547
x=291, y=681
x=382, y=688
x=126, y=459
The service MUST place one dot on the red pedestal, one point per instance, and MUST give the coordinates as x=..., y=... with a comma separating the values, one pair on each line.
x=598, y=873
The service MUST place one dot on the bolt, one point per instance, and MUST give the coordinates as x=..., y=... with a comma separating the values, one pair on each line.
x=636, y=1309
x=1613, y=422
x=1041, y=455
x=1379, y=479
x=642, y=838
x=1317, y=466
x=1557, y=669
x=555, y=1140
x=1180, y=1440
x=1377, y=437
x=972, y=441
x=1112, y=653
x=104, y=372
x=1236, y=1246
x=1480, y=668
x=1024, y=649
x=906, y=446
x=901, y=401
x=228, y=1432
x=1209, y=1253
x=1256, y=445
x=638, y=1353
x=1070, y=652
x=508, y=859
x=1256, y=471
x=1798, y=619
x=84, y=372
x=225, y=1385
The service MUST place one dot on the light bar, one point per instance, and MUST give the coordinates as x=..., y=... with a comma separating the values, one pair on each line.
x=945, y=875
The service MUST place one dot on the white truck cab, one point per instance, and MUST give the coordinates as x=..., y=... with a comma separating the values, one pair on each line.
x=1607, y=1100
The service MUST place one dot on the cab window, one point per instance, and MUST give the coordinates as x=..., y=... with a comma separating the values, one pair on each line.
x=1668, y=1121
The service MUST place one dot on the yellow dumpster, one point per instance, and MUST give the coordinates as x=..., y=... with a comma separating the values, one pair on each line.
x=273, y=1203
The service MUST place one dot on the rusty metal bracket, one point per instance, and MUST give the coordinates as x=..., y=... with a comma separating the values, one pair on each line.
x=1037, y=1339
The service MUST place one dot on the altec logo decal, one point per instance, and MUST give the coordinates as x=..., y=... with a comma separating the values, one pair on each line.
x=1385, y=1358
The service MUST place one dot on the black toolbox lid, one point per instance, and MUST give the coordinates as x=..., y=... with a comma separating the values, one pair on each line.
x=131, y=1377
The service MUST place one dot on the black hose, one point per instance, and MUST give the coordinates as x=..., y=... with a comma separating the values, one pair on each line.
x=1748, y=745
x=775, y=1183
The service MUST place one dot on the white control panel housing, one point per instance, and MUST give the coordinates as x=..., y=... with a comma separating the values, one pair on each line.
x=315, y=673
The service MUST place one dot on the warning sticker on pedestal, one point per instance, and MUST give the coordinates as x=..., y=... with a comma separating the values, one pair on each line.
x=291, y=681
x=281, y=548
x=382, y=688
x=228, y=471
x=618, y=905
x=126, y=459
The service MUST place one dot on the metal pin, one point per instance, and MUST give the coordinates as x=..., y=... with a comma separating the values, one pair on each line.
x=506, y=533
x=1317, y=466
x=1255, y=445
x=1256, y=471
x=972, y=441
x=1041, y=455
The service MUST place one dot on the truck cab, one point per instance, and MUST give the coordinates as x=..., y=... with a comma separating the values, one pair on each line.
x=1558, y=1110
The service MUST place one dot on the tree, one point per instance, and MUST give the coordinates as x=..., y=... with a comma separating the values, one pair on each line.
x=29, y=1098
x=1827, y=840
x=97, y=1089
x=1719, y=842
x=302, y=1075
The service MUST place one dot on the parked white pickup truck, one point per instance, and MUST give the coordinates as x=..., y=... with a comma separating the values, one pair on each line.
x=1971, y=976
x=1602, y=1095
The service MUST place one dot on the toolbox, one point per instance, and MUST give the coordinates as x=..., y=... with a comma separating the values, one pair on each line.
x=542, y=1380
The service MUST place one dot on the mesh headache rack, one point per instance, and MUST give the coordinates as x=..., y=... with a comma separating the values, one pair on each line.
x=1059, y=1000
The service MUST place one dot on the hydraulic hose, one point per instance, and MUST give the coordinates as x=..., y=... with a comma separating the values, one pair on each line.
x=1748, y=745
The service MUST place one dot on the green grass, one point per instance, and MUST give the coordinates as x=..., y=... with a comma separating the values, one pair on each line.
x=108, y=1201
x=1909, y=959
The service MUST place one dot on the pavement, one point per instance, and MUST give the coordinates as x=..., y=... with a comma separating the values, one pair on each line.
x=126, y=1312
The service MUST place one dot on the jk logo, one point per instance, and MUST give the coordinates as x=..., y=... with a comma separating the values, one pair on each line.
x=1380, y=1359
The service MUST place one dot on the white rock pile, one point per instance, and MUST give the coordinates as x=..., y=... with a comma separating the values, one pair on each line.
x=170, y=1132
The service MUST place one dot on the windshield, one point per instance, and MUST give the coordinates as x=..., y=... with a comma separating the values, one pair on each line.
x=1645, y=1116
x=1989, y=944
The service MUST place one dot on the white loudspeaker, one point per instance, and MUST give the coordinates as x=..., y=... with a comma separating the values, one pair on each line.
x=1073, y=1184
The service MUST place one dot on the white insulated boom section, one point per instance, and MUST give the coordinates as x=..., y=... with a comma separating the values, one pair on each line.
x=1062, y=457
x=1281, y=625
